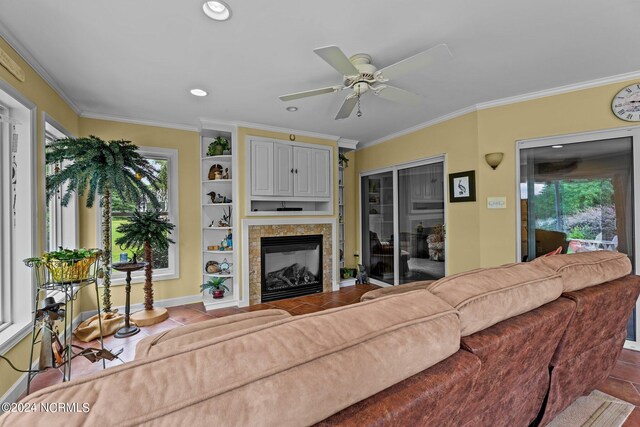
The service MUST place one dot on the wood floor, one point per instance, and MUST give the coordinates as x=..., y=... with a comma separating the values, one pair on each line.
x=623, y=383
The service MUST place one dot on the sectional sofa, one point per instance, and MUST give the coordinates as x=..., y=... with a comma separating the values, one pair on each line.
x=506, y=346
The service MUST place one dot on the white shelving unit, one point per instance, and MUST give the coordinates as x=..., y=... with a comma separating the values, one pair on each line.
x=212, y=233
x=341, y=218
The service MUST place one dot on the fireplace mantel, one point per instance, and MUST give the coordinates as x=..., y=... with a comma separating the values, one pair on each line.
x=284, y=227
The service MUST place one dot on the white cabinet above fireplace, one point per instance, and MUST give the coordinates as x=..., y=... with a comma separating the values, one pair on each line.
x=289, y=178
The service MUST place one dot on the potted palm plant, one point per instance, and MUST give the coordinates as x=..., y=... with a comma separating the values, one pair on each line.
x=147, y=230
x=215, y=286
x=97, y=169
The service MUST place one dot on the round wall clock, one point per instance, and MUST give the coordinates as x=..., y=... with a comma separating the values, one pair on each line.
x=626, y=103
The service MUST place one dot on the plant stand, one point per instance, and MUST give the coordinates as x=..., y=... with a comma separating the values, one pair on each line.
x=128, y=329
x=55, y=353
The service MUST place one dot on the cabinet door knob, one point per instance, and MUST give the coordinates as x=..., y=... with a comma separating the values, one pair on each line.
x=296, y=170
x=291, y=170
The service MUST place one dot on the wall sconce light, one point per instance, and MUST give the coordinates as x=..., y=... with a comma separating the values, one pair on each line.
x=494, y=159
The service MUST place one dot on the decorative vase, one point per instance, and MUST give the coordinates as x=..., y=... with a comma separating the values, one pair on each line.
x=218, y=293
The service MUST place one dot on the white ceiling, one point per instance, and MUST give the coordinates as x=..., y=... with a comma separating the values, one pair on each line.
x=138, y=59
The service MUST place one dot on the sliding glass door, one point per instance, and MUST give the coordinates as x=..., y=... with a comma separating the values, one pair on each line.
x=578, y=196
x=403, y=237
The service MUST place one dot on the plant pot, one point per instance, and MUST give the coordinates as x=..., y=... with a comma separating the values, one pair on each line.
x=216, y=150
x=218, y=294
x=70, y=271
x=226, y=152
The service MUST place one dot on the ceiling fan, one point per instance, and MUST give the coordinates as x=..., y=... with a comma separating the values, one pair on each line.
x=361, y=76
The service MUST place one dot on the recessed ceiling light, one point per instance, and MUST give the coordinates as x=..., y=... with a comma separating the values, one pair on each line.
x=216, y=10
x=292, y=109
x=556, y=146
x=198, y=92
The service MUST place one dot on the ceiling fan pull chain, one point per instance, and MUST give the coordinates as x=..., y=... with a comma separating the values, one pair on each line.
x=359, y=113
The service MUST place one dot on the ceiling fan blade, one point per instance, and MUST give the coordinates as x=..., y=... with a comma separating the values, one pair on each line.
x=347, y=107
x=398, y=95
x=337, y=59
x=314, y=92
x=423, y=59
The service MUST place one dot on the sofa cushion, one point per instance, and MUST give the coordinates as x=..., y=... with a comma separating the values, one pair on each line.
x=586, y=269
x=485, y=297
x=395, y=290
x=296, y=371
x=168, y=341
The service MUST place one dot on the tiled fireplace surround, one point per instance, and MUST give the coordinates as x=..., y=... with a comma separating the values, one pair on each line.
x=254, y=230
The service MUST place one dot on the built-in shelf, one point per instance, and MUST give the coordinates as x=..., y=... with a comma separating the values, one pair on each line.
x=217, y=181
x=224, y=187
x=224, y=157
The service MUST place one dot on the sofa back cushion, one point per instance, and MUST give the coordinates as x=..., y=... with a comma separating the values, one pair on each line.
x=168, y=341
x=292, y=372
x=487, y=296
x=587, y=269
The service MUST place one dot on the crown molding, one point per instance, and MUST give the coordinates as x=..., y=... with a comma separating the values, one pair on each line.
x=350, y=144
x=298, y=132
x=38, y=68
x=574, y=87
x=506, y=101
x=144, y=122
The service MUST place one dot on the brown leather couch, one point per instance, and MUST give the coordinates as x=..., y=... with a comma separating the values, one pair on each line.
x=507, y=346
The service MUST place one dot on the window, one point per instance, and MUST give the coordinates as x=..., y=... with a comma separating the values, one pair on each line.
x=17, y=216
x=165, y=264
x=61, y=223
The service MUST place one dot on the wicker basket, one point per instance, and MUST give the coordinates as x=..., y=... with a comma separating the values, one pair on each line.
x=70, y=271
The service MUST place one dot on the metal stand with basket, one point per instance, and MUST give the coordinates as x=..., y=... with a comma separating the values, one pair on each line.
x=58, y=284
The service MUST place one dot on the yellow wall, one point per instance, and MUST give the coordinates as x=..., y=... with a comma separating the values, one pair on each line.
x=46, y=100
x=458, y=139
x=188, y=145
x=477, y=236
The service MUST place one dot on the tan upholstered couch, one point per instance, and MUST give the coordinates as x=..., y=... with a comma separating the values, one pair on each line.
x=511, y=346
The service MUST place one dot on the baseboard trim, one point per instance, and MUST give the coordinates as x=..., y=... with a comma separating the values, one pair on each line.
x=169, y=302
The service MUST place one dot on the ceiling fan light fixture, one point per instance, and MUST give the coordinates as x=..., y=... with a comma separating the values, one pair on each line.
x=292, y=109
x=198, y=92
x=216, y=10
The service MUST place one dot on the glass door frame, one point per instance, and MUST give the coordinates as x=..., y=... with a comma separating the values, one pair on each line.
x=625, y=132
x=441, y=158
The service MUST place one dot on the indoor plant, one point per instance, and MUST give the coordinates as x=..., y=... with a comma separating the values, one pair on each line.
x=95, y=169
x=343, y=161
x=216, y=286
x=70, y=265
x=147, y=231
x=219, y=145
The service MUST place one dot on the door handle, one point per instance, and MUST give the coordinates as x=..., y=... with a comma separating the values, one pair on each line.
x=296, y=170
x=291, y=170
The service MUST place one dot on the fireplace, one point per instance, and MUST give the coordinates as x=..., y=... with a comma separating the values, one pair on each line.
x=291, y=266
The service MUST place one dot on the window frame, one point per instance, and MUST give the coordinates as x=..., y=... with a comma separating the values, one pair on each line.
x=173, y=271
x=65, y=219
x=17, y=286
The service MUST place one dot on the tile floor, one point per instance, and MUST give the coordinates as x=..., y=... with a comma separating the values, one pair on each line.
x=624, y=381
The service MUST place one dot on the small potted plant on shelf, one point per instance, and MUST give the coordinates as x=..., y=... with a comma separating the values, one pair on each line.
x=216, y=287
x=343, y=161
x=70, y=265
x=219, y=146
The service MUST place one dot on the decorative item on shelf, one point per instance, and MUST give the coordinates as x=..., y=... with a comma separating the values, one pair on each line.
x=70, y=265
x=105, y=166
x=148, y=232
x=215, y=172
x=225, y=175
x=212, y=267
x=215, y=286
x=435, y=242
x=225, y=267
x=361, y=277
x=494, y=159
x=212, y=247
x=343, y=161
x=218, y=146
x=218, y=198
x=226, y=218
x=223, y=245
x=229, y=238
x=462, y=187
